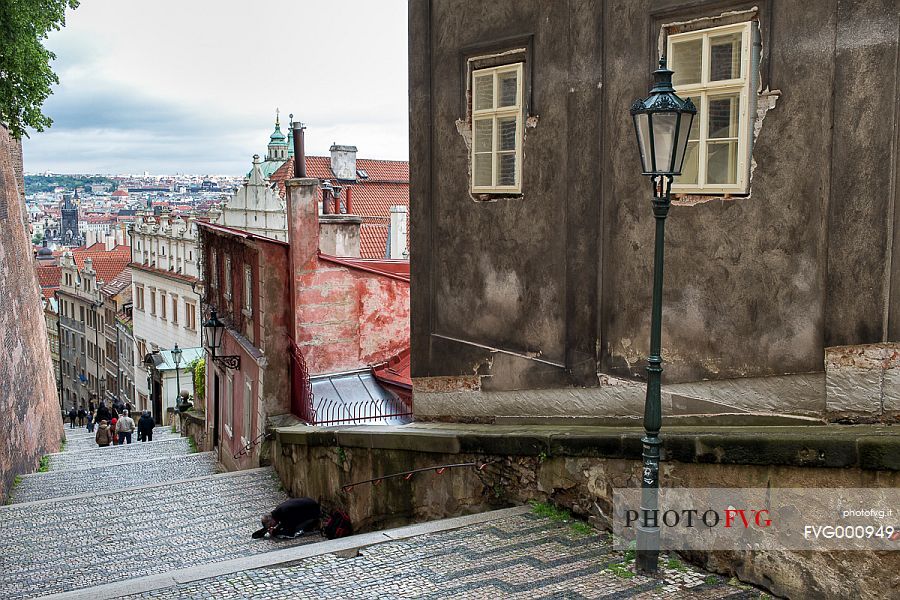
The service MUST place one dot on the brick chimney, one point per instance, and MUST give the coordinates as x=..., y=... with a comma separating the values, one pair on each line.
x=303, y=222
x=343, y=162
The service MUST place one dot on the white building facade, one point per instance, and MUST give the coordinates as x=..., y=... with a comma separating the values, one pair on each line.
x=166, y=307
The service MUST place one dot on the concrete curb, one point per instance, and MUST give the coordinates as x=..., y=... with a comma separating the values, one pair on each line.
x=268, y=559
x=130, y=489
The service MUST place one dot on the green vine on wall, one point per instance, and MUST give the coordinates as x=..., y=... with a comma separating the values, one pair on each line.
x=198, y=369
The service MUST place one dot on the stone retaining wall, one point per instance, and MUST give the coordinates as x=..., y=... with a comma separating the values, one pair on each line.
x=578, y=468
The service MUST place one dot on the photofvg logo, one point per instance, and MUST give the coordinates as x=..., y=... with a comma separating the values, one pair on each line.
x=692, y=517
x=761, y=518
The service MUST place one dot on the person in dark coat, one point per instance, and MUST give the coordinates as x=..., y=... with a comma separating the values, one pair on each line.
x=73, y=414
x=81, y=415
x=103, y=413
x=90, y=421
x=145, y=427
x=290, y=518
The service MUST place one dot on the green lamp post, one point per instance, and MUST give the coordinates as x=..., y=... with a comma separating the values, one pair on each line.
x=662, y=123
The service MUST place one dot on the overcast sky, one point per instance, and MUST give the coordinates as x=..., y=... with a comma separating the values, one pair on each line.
x=191, y=86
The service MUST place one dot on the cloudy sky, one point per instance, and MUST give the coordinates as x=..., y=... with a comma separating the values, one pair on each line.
x=191, y=86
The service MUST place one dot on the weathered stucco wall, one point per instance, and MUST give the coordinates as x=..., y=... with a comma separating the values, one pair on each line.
x=579, y=468
x=31, y=423
x=754, y=286
x=349, y=319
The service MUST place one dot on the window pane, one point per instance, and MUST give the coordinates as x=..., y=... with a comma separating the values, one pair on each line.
x=686, y=62
x=695, y=126
x=507, y=171
x=725, y=57
x=483, y=170
x=484, y=133
x=507, y=127
x=483, y=96
x=691, y=167
x=723, y=116
x=721, y=163
x=507, y=88
x=642, y=127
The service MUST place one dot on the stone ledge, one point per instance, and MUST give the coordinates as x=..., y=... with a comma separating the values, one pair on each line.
x=863, y=446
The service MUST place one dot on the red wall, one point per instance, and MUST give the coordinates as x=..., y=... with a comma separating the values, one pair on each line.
x=348, y=318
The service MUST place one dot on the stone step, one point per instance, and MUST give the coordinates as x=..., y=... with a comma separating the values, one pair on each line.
x=86, y=442
x=116, y=455
x=79, y=542
x=57, y=484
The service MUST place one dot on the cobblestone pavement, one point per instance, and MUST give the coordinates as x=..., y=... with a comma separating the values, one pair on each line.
x=86, y=459
x=55, y=484
x=67, y=545
x=80, y=439
x=517, y=557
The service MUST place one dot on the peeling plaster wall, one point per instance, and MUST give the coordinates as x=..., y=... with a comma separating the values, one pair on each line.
x=754, y=286
x=31, y=423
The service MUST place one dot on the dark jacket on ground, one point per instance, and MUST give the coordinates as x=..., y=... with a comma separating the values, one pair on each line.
x=296, y=514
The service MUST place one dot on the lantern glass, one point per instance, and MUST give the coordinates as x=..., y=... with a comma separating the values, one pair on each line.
x=642, y=129
x=176, y=355
x=684, y=131
x=663, y=132
x=214, y=330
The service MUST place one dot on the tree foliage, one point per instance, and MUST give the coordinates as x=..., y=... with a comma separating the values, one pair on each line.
x=25, y=73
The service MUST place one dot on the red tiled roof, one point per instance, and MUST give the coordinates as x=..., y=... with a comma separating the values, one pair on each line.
x=373, y=240
x=372, y=198
x=107, y=263
x=49, y=275
x=118, y=283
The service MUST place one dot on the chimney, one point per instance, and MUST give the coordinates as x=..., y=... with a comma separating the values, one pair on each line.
x=343, y=162
x=110, y=242
x=299, y=149
x=303, y=222
x=397, y=240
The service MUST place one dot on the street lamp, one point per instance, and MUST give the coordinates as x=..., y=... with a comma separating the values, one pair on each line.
x=214, y=330
x=176, y=357
x=662, y=123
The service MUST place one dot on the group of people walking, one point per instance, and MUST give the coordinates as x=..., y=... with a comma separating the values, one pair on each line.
x=113, y=423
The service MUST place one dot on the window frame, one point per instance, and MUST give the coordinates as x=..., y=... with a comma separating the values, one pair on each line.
x=495, y=113
x=247, y=300
x=706, y=88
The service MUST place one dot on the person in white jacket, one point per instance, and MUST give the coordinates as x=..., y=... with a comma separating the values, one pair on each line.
x=125, y=427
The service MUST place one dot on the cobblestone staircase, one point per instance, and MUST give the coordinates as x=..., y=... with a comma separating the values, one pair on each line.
x=154, y=520
x=100, y=515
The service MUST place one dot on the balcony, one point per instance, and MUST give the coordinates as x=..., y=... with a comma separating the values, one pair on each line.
x=71, y=324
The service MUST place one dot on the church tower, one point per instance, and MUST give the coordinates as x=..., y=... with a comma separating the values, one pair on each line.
x=68, y=229
x=278, y=146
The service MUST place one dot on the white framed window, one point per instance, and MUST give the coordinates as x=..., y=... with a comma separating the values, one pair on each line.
x=139, y=296
x=229, y=405
x=712, y=68
x=213, y=269
x=248, y=291
x=190, y=315
x=248, y=410
x=153, y=301
x=496, y=163
x=162, y=304
x=174, y=309
x=227, y=276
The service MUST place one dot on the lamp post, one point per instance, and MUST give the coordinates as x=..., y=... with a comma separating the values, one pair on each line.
x=662, y=123
x=176, y=358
